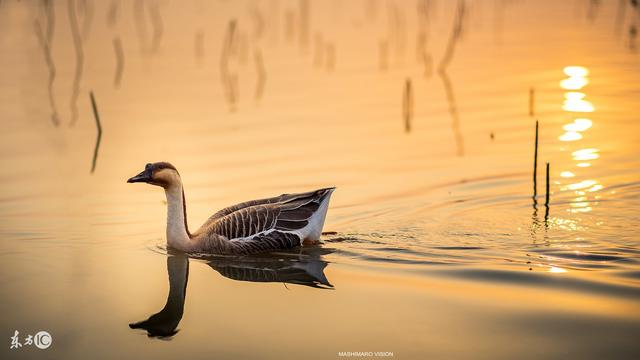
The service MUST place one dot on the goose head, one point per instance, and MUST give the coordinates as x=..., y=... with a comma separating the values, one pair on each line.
x=160, y=174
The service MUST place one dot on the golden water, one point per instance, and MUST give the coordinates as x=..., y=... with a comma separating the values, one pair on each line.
x=437, y=248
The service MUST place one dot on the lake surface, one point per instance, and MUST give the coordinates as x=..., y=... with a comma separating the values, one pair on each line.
x=421, y=113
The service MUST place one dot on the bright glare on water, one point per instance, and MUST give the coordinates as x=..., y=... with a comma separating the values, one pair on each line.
x=437, y=244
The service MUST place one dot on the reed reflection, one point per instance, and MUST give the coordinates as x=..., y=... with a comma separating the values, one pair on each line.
x=44, y=39
x=425, y=9
x=456, y=33
x=117, y=48
x=262, y=74
x=112, y=14
x=228, y=78
x=303, y=266
x=77, y=45
x=141, y=27
x=157, y=26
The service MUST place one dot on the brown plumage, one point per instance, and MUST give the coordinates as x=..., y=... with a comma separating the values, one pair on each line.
x=280, y=222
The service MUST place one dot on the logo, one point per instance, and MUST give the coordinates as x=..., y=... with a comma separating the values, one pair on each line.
x=42, y=340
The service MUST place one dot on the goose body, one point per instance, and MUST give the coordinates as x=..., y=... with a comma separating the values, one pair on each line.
x=254, y=226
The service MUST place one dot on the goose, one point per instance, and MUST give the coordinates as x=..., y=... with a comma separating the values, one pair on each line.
x=281, y=222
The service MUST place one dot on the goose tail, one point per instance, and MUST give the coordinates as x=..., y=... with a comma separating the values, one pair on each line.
x=313, y=230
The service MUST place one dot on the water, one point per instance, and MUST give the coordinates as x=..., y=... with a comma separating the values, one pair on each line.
x=435, y=247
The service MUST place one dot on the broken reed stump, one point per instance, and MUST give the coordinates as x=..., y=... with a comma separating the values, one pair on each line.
x=531, y=101
x=407, y=105
x=99, y=126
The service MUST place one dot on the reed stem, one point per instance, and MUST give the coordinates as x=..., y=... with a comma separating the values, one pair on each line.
x=546, y=199
x=535, y=165
x=407, y=105
x=531, y=101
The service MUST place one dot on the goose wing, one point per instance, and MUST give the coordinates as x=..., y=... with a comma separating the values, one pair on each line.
x=265, y=224
x=228, y=210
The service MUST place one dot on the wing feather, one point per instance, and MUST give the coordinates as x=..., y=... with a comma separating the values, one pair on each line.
x=269, y=223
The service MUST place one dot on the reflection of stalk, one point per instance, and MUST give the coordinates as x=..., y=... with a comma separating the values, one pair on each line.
x=117, y=47
x=303, y=22
x=535, y=222
x=262, y=74
x=112, y=13
x=442, y=71
x=86, y=9
x=453, y=111
x=99, y=126
x=228, y=82
x=158, y=28
x=422, y=53
x=77, y=44
x=233, y=91
x=141, y=28
x=423, y=30
x=455, y=35
x=547, y=195
x=51, y=20
x=52, y=71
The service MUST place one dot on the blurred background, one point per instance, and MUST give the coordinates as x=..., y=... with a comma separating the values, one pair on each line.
x=422, y=113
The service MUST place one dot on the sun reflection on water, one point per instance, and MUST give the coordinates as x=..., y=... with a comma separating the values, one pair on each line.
x=578, y=125
x=575, y=102
x=570, y=136
x=578, y=105
x=577, y=78
x=557, y=270
x=585, y=154
x=581, y=185
x=576, y=71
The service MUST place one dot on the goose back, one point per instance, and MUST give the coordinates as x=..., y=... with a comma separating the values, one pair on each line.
x=273, y=223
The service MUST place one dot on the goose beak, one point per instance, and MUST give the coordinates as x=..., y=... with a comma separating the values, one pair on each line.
x=145, y=176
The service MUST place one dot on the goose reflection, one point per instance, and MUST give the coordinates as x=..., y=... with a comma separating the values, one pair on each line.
x=164, y=323
x=303, y=266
